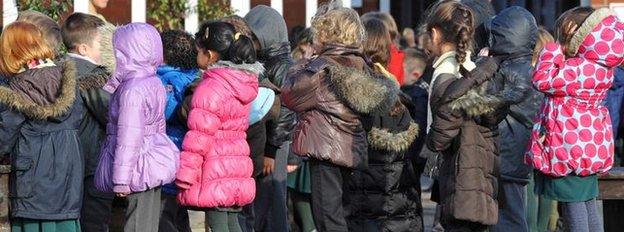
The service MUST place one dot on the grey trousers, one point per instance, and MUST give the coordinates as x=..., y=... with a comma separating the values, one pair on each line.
x=582, y=216
x=143, y=212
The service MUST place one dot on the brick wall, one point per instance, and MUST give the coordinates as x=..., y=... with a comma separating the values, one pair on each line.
x=118, y=12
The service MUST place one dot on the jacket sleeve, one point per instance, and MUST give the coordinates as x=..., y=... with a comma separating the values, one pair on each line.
x=130, y=133
x=203, y=122
x=485, y=70
x=551, y=75
x=299, y=90
x=446, y=122
x=279, y=131
x=96, y=101
x=10, y=124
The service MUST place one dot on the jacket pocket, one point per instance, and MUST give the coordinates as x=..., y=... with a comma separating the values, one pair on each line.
x=23, y=178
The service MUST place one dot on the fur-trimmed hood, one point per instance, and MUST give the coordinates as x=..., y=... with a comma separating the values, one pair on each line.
x=600, y=38
x=361, y=90
x=59, y=107
x=383, y=139
x=107, y=52
x=255, y=68
x=476, y=102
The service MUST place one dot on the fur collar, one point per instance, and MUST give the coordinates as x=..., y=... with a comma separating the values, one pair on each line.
x=256, y=68
x=475, y=103
x=382, y=139
x=94, y=81
x=61, y=106
x=587, y=27
x=360, y=90
x=106, y=46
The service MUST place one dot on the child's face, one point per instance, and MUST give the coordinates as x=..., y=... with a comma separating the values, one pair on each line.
x=100, y=3
x=91, y=50
x=411, y=76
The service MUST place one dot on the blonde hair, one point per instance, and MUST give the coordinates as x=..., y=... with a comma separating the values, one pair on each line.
x=543, y=37
x=338, y=25
x=20, y=43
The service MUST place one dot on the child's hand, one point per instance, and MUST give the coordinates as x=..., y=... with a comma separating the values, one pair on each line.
x=291, y=168
x=122, y=194
x=269, y=166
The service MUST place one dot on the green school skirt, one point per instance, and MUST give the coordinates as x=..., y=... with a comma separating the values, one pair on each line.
x=567, y=189
x=30, y=225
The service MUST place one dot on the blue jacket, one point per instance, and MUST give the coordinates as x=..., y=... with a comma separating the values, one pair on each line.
x=614, y=99
x=175, y=81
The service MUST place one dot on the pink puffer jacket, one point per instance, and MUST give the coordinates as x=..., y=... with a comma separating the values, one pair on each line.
x=215, y=168
x=573, y=132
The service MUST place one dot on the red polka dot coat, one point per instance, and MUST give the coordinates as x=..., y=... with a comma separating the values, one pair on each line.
x=572, y=132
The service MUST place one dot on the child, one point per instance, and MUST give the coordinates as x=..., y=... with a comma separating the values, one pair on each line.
x=299, y=181
x=86, y=38
x=178, y=72
x=329, y=93
x=540, y=210
x=512, y=38
x=463, y=128
x=416, y=89
x=395, y=63
x=572, y=139
x=377, y=45
x=385, y=196
x=271, y=34
x=49, y=28
x=40, y=114
x=137, y=156
x=215, y=171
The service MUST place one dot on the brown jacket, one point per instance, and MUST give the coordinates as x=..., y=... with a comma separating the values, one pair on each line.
x=464, y=131
x=328, y=94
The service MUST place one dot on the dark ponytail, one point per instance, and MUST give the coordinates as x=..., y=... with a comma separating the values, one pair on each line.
x=222, y=38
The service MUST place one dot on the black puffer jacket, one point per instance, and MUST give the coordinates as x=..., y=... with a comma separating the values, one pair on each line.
x=512, y=36
x=40, y=113
x=385, y=196
x=269, y=28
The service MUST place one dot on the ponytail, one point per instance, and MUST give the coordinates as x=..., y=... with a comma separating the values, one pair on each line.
x=242, y=50
x=222, y=38
x=457, y=23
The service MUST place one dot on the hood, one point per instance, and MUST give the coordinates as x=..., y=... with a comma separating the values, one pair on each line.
x=386, y=140
x=513, y=32
x=42, y=93
x=107, y=52
x=363, y=92
x=241, y=78
x=269, y=27
x=484, y=11
x=138, y=53
x=600, y=39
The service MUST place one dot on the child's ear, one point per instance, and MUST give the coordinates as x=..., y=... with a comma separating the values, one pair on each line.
x=416, y=74
x=81, y=49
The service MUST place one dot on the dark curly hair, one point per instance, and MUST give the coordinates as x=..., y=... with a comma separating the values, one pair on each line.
x=179, y=49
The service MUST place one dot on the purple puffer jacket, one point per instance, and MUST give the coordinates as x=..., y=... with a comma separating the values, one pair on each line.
x=137, y=154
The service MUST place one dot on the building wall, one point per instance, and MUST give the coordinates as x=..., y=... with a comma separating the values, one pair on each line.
x=118, y=12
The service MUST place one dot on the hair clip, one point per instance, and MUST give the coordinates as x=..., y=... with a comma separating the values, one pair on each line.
x=237, y=36
x=207, y=33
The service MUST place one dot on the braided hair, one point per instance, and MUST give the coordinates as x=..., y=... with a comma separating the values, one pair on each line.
x=457, y=25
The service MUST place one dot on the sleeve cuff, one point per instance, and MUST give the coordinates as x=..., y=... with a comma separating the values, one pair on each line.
x=121, y=189
x=270, y=150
